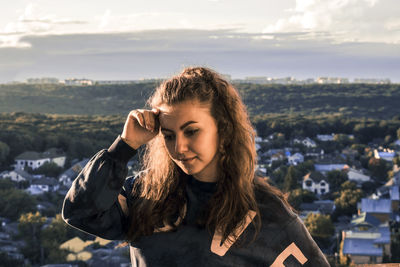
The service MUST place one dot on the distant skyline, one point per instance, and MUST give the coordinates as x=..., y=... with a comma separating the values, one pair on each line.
x=127, y=40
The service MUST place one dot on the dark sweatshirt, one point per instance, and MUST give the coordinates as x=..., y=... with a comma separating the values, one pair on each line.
x=99, y=198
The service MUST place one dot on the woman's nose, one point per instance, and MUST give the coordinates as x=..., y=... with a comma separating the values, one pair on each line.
x=180, y=145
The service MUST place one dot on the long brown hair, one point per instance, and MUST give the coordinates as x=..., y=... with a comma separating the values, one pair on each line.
x=160, y=190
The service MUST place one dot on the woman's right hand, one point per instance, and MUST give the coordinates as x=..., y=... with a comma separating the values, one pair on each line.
x=141, y=126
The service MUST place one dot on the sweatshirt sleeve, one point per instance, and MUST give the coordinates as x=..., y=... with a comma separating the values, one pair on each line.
x=96, y=201
x=298, y=247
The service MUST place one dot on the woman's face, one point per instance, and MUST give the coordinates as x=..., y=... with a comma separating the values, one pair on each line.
x=191, y=138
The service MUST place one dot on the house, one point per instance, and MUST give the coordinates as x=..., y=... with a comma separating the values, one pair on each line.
x=385, y=154
x=295, y=159
x=308, y=142
x=364, y=221
x=324, y=168
x=357, y=176
x=278, y=156
x=318, y=207
x=36, y=159
x=17, y=176
x=69, y=175
x=397, y=142
x=369, y=246
x=325, y=137
x=80, y=250
x=349, y=153
x=315, y=152
x=379, y=208
x=41, y=185
x=315, y=182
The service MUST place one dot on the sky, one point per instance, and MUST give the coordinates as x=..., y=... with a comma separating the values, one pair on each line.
x=131, y=39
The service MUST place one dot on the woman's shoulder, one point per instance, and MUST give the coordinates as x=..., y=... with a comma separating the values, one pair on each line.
x=272, y=203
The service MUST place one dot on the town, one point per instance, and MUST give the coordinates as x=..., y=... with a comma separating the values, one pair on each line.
x=346, y=192
x=250, y=79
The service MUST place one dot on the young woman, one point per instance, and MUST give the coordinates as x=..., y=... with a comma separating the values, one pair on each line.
x=197, y=201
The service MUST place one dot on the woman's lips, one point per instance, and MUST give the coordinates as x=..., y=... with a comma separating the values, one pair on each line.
x=188, y=160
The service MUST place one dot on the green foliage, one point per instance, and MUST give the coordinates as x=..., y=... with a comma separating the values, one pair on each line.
x=379, y=168
x=335, y=179
x=6, y=261
x=14, y=202
x=6, y=184
x=79, y=136
x=359, y=147
x=346, y=203
x=319, y=225
x=49, y=169
x=353, y=100
x=299, y=196
x=396, y=160
x=29, y=227
x=4, y=151
x=291, y=180
x=52, y=237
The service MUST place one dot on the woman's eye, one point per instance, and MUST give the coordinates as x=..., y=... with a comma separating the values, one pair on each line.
x=168, y=137
x=191, y=132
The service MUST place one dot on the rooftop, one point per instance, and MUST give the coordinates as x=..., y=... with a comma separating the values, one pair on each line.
x=33, y=155
x=376, y=205
x=361, y=246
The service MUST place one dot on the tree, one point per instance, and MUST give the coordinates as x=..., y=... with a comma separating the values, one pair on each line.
x=346, y=203
x=52, y=237
x=6, y=184
x=343, y=139
x=49, y=169
x=319, y=225
x=378, y=168
x=14, y=202
x=299, y=196
x=4, y=151
x=335, y=179
x=291, y=179
x=29, y=227
x=7, y=261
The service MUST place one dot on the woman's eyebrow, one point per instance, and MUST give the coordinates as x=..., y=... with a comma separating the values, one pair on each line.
x=182, y=126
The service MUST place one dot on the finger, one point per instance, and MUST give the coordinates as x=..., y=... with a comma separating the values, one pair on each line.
x=139, y=118
x=149, y=119
x=156, y=112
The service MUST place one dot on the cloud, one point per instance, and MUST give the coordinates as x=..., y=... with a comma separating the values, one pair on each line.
x=160, y=53
x=33, y=21
x=344, y=20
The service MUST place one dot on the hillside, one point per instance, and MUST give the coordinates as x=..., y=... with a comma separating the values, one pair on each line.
x=351, y=100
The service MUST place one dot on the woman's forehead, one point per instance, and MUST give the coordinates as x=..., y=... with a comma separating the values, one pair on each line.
x=184, y=107
x=184, y=111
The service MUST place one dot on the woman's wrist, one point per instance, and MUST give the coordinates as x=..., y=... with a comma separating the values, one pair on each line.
x=132, y=144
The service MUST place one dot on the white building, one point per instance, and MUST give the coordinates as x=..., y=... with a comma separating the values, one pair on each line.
x=357, y=176
x=325, y=137
x=78, y=82
x=329, y=80
x=17, y=176
x=316, y=183
x=308, y=142
x=42, y=185
x=295, y=159
x=330, y=167
x=36, y=159
x=385, y=154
